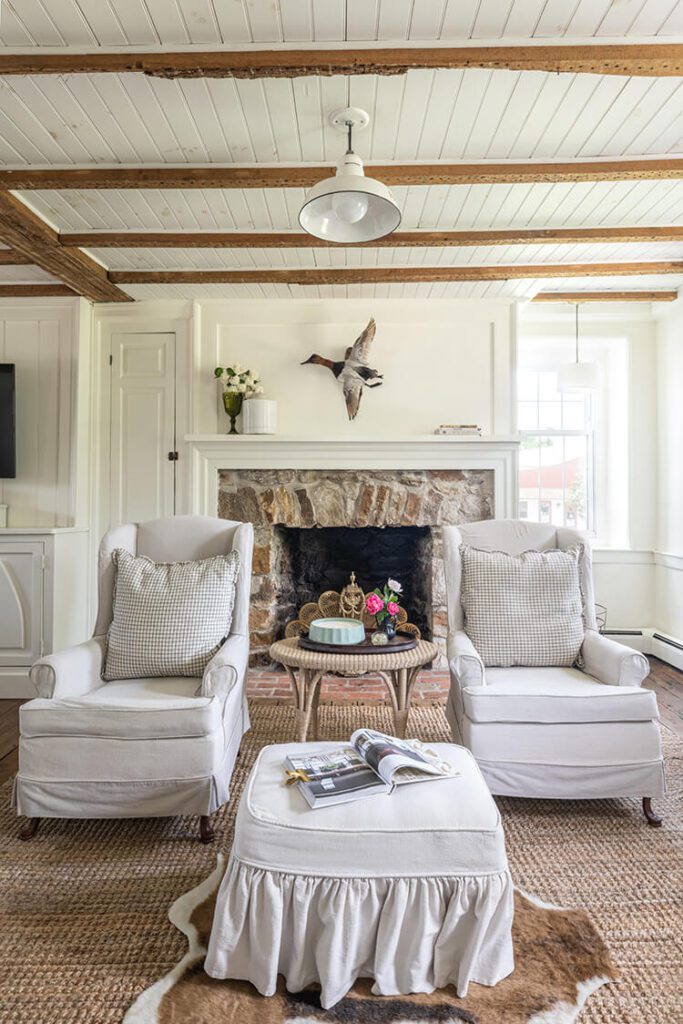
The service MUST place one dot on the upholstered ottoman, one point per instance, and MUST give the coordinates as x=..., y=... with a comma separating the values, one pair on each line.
x=411, y=889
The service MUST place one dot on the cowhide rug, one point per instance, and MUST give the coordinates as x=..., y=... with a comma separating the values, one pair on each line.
x=559, y=956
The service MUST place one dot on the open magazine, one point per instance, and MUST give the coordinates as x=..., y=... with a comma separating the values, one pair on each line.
x=372, y=763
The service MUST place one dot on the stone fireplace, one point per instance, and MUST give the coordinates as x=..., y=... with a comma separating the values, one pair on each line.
x=305, y=520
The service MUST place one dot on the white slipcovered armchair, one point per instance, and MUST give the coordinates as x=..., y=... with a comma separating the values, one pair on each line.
x=559, y=733
x=138, y=747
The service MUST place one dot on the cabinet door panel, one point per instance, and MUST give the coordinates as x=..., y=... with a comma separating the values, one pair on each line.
x=142, y=427
x=21, y=602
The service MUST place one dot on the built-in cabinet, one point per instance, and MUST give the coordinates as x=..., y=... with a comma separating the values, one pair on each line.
x=43, y=599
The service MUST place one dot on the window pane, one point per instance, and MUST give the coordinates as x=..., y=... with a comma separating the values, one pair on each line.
x=553, y=479
x=550, y=415
x=574, y=415
x=527, y=415
x=547, y=386
x=527, y=386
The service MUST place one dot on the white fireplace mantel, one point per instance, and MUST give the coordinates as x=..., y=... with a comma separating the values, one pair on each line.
x=210, y=453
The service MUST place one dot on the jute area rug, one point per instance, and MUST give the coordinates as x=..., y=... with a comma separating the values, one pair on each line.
x=84, y=928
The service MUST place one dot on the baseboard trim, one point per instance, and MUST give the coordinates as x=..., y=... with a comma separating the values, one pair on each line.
x=668, y=649
x=15, y=684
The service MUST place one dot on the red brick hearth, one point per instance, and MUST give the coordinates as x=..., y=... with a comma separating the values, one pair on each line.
x=267, y=683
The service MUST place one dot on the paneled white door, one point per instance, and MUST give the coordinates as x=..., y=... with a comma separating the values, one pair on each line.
x=142, y=484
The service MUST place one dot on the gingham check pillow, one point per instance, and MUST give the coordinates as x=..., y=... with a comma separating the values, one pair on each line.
x=169, y=617
x=525, y=610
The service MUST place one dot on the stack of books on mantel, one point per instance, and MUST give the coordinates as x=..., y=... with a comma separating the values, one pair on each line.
x=461, y=429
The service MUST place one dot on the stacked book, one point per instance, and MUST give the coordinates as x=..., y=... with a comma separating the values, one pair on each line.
x=462, y=429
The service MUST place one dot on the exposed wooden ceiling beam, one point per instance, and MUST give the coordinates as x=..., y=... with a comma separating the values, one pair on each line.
x=399, y=239
x=392, y=275
x=654, y=59
x=632, y=296
x=25, y=291
x=302, y=176
x=12, y=258
x=22, y=229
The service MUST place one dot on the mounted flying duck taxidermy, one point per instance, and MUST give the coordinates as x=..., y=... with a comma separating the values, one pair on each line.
x=353, y=370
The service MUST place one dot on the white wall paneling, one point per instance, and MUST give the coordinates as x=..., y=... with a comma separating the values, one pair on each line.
x=46, y=341
x=669, y=494
x=442, y=363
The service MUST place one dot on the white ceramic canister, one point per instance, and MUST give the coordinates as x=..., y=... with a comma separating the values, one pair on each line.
x=259, y=416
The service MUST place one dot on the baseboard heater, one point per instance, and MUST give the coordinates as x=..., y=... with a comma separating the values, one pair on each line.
x=622, y=632
x=667, y=640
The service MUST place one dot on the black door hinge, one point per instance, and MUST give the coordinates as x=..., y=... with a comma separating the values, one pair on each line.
x=111, y=360
x=173, y=456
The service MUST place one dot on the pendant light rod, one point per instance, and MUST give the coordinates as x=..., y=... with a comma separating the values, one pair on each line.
x=576, y=330
x=349, y=144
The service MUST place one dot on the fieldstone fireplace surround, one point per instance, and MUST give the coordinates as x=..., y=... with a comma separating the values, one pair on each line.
x=285, y=484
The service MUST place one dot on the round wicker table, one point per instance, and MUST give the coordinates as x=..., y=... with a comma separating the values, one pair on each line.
x=397, y=669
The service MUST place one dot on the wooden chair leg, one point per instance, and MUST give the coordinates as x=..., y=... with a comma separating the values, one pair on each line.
x=206, y=832
x=653, y=820
x=29, y=830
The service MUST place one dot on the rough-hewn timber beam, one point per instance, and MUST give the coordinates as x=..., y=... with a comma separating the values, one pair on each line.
x=399, y=239
x=28, y=291
x=390, y=275
x=632, y=296
x=22, y=229
x=301, y=176
x=11, y=258
x=654, y=59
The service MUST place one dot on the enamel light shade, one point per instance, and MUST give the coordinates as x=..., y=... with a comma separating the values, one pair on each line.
x=349, y=207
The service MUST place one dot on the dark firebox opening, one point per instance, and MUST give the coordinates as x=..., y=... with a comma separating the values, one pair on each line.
x=322, y=558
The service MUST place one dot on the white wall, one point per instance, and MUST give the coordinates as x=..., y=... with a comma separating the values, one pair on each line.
x=444, y=362
x=669, y=495
x=46, y=340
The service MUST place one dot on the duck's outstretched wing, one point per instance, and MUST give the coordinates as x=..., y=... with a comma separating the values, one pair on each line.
x=353, y=391
x=360, y=350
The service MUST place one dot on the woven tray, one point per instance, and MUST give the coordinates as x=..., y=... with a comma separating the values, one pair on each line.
x=401, y=642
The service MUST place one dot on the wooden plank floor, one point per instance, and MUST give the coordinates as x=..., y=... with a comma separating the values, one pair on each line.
x=667, y=683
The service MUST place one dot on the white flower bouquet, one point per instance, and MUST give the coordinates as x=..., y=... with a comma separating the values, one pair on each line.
x=236, y=381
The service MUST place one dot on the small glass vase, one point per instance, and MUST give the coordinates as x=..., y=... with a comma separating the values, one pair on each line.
x=233, y=406
x=385, y=632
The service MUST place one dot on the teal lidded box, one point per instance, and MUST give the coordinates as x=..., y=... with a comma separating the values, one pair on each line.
x=336, y=631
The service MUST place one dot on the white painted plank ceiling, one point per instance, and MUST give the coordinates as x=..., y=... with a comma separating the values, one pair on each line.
x=459, y=207
x=427, y=256
x=472, y=114
x=107, y=23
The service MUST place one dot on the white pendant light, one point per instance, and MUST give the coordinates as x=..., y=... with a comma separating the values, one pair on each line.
x=577, y=376
x=349, y=207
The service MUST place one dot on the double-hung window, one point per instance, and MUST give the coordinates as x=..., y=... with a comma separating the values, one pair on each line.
x=557, y=452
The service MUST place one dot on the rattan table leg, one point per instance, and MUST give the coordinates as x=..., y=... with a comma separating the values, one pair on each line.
x=309, y=685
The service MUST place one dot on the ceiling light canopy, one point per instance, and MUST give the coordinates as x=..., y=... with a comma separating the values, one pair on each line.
x=349, y=207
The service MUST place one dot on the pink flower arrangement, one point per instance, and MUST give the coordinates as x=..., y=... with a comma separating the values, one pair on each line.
x=374, y=604
x=383, y=602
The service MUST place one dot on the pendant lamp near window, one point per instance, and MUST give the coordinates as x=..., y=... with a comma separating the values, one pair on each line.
x=349, y=207
x=577, y=376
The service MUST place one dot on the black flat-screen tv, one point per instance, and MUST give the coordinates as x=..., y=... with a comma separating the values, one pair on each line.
x=8, y=448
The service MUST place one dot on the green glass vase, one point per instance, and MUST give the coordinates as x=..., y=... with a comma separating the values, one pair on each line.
x=233, y=407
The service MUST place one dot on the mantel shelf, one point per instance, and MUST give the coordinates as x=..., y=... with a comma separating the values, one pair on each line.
x=302, y=441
